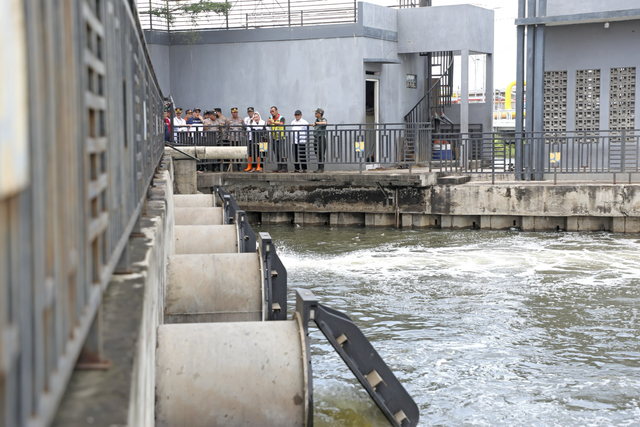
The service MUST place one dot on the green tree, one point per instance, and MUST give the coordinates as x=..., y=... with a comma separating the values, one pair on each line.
x=192, y=10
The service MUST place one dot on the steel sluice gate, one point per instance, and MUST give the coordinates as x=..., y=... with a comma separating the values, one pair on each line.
x=220, y=362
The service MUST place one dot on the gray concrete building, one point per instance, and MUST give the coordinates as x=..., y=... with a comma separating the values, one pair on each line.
x=579, y=59
x=371, y=70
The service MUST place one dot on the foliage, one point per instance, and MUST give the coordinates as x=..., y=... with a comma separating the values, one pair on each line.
x=173, y=9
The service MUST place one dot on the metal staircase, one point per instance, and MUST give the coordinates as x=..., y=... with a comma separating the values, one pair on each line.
x=430, y=107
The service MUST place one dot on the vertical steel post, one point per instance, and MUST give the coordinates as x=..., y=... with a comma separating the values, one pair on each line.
x=519, y=92
x=531, y=31
x=538, y=95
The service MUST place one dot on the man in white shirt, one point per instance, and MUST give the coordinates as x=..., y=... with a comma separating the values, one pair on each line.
x=299, y=129
x=180, y=125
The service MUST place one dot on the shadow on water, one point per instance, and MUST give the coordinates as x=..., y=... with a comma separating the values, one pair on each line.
x=481, y=327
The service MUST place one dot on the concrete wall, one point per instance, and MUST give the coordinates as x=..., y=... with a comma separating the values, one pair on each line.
x=570, y=7
x=455, y=28
x=591, y=46
x=161, y=65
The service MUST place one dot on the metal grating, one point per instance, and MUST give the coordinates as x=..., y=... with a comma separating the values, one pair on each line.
x=555, y=101
x=622, y=98
x=623, y=156
x=587, y=103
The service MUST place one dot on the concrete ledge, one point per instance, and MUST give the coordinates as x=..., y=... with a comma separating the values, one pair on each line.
x=132, y=308
x=453, y=180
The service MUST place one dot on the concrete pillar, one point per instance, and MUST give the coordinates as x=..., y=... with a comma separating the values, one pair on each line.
x=316, y=218
x=424, y=221
x=499, y=222
x=618, y=224
x=298, y=218
x=380, y=220
x=489, y=92
x=464, y=91
x=460, y=221
x=407, y=220
x=589, y=223
x=346, y=219
x=544, y=223
x=632, y=225
x=274, y=218
x=185, y=176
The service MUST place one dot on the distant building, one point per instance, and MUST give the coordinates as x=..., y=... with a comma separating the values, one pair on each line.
x=372, y=69
x=589, y=54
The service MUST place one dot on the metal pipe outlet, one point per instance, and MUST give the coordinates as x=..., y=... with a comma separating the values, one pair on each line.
x=214, y=288
x=241, y=374
x=208, y=153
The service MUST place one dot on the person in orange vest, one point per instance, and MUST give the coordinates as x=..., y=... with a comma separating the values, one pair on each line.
x=276, y=121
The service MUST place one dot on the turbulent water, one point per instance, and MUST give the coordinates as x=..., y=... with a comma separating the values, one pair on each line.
x=482, y=328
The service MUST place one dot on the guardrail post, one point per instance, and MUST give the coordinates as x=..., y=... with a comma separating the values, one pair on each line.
x=274, y=279
x=226, y=205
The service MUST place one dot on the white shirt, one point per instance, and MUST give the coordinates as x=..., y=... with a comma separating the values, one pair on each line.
x=299, y=128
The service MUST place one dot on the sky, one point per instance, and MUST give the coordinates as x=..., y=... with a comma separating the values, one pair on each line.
x=504, y=49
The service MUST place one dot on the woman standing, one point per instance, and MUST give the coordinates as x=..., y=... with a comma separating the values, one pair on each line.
x=256, y=136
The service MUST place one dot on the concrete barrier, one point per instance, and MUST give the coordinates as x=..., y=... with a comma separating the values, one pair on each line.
x=206, y=239
x=198, y=216
x=214, y=288
x=193, y=200
x=240, y=374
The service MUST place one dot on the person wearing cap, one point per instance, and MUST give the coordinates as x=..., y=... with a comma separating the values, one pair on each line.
x=247, y=123
x=276, y=122
x=299, y=129
x=236, y=128
x=196, y=126
x=320, y=138
x=179, y=124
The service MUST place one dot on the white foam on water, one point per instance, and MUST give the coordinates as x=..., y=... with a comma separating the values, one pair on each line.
x=487, y=328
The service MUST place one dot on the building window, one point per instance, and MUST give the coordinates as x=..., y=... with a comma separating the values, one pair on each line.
x=587, y=100
x=622, y=98
x=555, y=101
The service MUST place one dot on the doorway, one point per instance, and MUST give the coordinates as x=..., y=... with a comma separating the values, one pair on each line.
x=372, y=117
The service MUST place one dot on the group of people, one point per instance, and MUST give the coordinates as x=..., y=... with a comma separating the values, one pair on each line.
x=217, y=129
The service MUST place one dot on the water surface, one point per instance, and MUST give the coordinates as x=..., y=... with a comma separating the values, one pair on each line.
x=483, y=328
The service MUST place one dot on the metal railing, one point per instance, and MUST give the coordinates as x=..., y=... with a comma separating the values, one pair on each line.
x=341, y=144
x=93, y=152
x=232, y=214
x=561, y=152
x=246, y=14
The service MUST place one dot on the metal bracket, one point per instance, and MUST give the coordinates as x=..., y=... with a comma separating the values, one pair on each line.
x=275, y=279
x=364, y=361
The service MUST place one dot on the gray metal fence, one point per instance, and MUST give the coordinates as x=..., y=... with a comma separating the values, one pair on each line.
x=597, y=152
x=341, y=144
x=95, y=139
